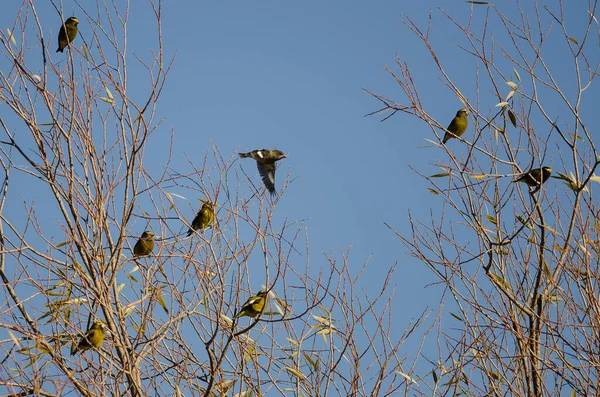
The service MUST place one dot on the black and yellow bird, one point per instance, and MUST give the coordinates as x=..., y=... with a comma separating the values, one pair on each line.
x=265, y=161
x=144, y=245
x=254, y=305
x=92, y=339
x=535, y=177
x=457, y=126
x=67, y=33
x=204, y=218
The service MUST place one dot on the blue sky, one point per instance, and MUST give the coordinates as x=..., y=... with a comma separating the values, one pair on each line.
x=290, y=75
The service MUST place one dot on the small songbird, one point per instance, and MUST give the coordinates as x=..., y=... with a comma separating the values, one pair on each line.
x=254, y=305
x=67, y=33
x=92, y=339
x=265, y=161
x=144, y=245
x=458, y=125
x=535, y=177
x=203, y=218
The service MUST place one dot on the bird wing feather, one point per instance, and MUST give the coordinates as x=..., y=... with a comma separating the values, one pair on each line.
x=267, y=173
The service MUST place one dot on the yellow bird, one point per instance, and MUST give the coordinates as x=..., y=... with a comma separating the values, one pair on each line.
x=92, y=339
x=203, y=218
x=144, y=245
x=67, y=33
x=254, y=305
x=535, y=177
x=458, y=125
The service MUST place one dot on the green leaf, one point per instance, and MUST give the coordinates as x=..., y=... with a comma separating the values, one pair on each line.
x=478, y=2
x=512, y=118
x=312, y=362
x=439, y=175
x=432, y=190
x=573, y=40
x=521, y=219
x=296, y=373
x=457, y=317
x=435, y=378
x=162, y=302
x=491, y=219
x=500, y=280
x=131, y=277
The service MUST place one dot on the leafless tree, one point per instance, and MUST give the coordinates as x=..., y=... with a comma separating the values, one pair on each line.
x=519, y=263
x=78, y=191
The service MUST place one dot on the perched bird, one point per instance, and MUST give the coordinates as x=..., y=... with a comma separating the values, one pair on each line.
x=203, y=218
x=265, y=160
x=458, y=125
x=254, y=305
x=144, y=245
x=67, y=33
x=535, y=177
x=92, y=339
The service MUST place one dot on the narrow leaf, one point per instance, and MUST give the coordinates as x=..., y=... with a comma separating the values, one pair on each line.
x=512, y=118
x=491, y=219
x=12, y=38
x=408, y=378
x=573, y=40
x=432, y=191
x=162, y=302
x=512, y=85
x=479, y=176
x=502, y=104
x=457, y=317
x=517, y=74
x=296, y=373
x=108, y=93
x=107, y=100
x=439, y=175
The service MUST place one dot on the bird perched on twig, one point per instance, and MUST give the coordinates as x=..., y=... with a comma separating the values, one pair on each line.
x=92, y=339
x=254, y=305
x=203, y=218
x=535, y=177
x=265, y=161
x=458, y=125
x=67, y=33
x=144, y=245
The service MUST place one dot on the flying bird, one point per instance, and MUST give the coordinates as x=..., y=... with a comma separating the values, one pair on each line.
x=92, y=339
x=203, y=218
x=535, y=177
x=254, y=305
x=144, y=245
x=457, y=126
x=265, y=161
x=67, y=33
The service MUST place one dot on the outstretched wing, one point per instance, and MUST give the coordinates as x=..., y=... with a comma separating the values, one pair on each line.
x=267, y=173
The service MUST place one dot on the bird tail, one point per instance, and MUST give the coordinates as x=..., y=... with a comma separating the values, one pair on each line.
x=245, y=155
x=190, y=232
x=59, y=50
